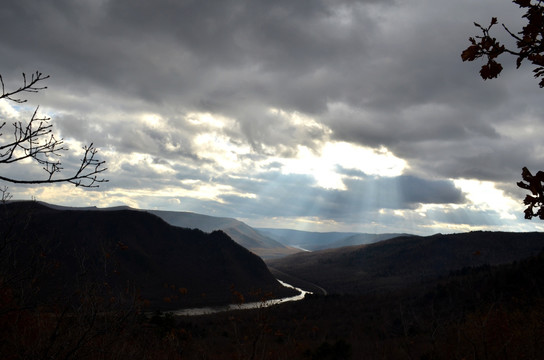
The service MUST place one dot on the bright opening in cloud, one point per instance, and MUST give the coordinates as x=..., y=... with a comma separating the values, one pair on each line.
x=485, y=196
x=210, y=120
x=287, y=129
x=7, y=110
x=298, y=119
x=221, y=150
x=152, y=120
x=334, y=155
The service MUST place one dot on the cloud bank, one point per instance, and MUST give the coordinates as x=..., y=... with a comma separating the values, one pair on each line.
x=345, y=115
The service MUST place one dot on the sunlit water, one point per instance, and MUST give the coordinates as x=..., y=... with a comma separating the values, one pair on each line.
x=244, y=306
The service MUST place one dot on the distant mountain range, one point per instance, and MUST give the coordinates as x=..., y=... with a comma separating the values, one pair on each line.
x=312, y=241
x=240, y=232
x=407, y=296
x=186, y=251
x=405, y=261
x=171, y=267
x=268, y=243
x=243, y=234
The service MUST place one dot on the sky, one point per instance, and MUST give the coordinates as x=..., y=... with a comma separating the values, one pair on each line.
x=311, y=115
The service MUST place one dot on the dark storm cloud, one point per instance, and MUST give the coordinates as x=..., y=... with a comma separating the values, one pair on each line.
x=124, y=44
x=466, y=217
x=430, y=108
x=284, y=74
x=297, y=195
x=405, y=191
x=241, y=58
x=143, y=175
x=277, y=131
x=279, y=34
x=233, y=57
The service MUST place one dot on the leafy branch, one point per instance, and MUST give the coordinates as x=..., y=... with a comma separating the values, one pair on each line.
x=534, y=202
x=529, y=43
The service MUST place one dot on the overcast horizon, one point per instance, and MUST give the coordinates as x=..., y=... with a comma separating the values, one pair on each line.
x=310, y=115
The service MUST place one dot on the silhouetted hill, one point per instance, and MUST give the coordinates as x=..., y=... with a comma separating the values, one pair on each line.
x=312, y=241
x=172, y=267
x=240, y=232
x=468, y=314
x=405, y=261
x=364, y=238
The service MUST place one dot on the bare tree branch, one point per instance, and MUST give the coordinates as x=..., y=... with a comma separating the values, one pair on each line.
x=35, y=140
x=28, y=86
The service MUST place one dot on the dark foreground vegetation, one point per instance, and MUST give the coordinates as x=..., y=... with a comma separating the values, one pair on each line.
x=488, y=312
x=406, y=260
x=77, y=284
x=170, y=267
x=490, y=309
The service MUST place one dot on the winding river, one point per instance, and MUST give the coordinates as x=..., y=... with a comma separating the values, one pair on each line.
x=244, y=306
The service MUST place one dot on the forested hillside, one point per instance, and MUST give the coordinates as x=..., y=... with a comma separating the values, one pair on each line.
x=167, y=266
x=406, y=260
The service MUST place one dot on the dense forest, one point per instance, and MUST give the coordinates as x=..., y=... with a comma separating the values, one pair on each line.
x=491, y=307
x=487, y=312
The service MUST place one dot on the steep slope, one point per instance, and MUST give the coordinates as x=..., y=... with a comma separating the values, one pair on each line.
x=237, y=230
x=403, y=261
x=467, y=315
x=312, y=241
x=362, y=239
x=170, y=266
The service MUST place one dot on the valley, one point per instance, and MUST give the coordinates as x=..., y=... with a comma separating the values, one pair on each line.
x=168, y=267
x=406, y=260
x=93, y=274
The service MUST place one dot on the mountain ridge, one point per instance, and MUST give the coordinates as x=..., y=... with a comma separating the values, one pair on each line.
x=240, y=232
x=172, y=267
x=406, y=260
x=312, y=241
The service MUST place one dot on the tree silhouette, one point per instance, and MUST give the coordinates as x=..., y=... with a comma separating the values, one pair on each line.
x=35, y=140
x=530, y=47
x=534, y=202
x=529, y=43
x=46, y=323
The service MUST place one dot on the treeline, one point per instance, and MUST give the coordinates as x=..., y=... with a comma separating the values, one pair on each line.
x=484, y=312
x=478, y=313
x=487, y=312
